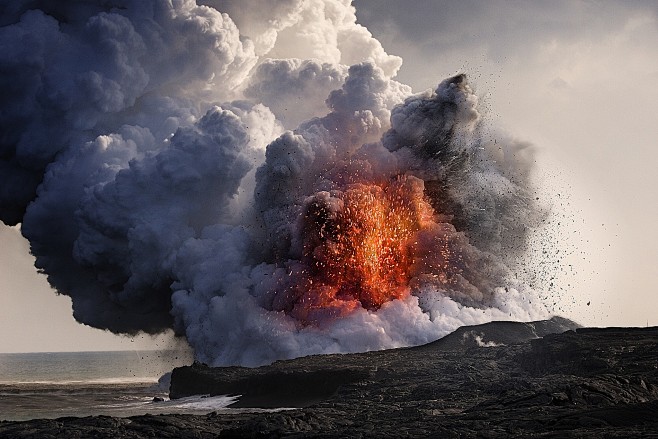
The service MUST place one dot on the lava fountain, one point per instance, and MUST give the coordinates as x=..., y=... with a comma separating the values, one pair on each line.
x=358, y=248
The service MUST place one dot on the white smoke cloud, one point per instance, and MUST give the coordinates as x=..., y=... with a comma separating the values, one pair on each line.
x=294, y=88
x=262, y=20
x=144, y=151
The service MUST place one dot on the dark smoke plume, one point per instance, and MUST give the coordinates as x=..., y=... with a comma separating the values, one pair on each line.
x=253, y=178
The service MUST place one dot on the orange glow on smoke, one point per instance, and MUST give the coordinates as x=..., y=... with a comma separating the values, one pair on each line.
x=357, y=248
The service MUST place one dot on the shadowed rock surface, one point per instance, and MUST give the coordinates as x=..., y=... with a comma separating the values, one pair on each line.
x=494, y=381
x=303, y=381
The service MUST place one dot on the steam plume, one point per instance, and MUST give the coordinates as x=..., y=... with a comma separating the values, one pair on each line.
x=256, y=181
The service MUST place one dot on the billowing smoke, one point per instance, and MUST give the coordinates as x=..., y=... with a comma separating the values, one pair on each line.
x=249, y=174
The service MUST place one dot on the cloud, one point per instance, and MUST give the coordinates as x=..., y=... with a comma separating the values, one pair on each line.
x=258, y=182
x=294, y=88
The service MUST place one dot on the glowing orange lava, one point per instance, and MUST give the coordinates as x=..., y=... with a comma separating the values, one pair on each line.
x=357, y=248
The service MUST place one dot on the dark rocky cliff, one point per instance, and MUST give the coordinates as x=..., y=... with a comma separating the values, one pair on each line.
x=493, y=381
x=303, y=381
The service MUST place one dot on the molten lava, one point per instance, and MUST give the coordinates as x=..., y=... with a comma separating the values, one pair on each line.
x=357, y=248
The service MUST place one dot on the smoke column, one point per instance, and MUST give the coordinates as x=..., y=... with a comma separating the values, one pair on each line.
x=250, y=174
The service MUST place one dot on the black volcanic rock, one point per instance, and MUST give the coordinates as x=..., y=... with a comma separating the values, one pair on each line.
x=500, y=333
x=266, y=387
x=492, y=381
x=303, y=381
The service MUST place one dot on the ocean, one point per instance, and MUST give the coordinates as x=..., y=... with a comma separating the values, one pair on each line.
x=124, y=383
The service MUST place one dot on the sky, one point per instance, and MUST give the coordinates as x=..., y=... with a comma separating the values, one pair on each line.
x=580, y=81
x=577, y=80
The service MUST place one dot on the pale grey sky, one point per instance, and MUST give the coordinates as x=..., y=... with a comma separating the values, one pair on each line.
x=579, y=80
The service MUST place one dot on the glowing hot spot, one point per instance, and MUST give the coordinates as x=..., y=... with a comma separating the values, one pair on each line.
x=357, y=248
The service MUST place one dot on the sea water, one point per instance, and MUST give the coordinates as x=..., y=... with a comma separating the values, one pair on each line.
x=124, y=383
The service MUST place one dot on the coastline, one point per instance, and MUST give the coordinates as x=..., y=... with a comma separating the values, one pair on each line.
x=588, y=382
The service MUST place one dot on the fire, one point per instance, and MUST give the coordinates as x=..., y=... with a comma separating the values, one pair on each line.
x=357, y=248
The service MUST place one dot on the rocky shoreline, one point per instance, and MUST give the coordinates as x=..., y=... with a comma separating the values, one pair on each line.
x=494, y=380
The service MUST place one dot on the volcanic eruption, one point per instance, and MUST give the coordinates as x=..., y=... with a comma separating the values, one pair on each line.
x=228, y=176
x=357, y=248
